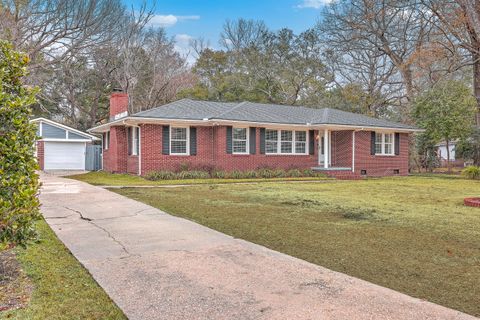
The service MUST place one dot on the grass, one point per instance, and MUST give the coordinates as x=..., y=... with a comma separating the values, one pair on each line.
x=101, y=178
x=411, y=234
x=62, y=288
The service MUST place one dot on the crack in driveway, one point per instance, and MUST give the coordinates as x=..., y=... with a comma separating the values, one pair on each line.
x=89, y=220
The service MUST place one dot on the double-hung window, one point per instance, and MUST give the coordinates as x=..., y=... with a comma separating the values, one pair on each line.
x=384, y=143
x=271, y=141
x=300, y=141
x=178, y=141
x=285, y=142
x=240, y=140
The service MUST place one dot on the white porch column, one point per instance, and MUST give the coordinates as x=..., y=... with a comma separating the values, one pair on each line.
x=326, y=150
x=353, y=151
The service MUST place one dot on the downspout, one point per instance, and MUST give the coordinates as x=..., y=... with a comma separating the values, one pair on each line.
x=139, y=150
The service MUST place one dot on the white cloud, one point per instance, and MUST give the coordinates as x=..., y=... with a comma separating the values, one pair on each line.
x=182, y=46
x=315, y=4
x=169, y=20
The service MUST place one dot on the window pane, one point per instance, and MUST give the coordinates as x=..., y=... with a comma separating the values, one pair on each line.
x=378, y=138
x=271, y=146
x=179, y=146
x=240, y=133
x=388, y=137
x=388, y=148
x=378, y=148
x=239, y=146
x=271, y=134
x=286, y=135
x=286, y=147
x=179, y=133
x=300, y=147
x=300, y=136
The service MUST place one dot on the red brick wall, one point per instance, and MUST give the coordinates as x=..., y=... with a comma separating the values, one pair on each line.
x=41, y=154
x=132, y=164
x=118, y=103
x=342, y=149
x=115, y=158
x=379, y=165
x=211, y=152
x=231, y=162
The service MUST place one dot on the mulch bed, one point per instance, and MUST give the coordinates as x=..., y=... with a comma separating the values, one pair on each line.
x=15, y=286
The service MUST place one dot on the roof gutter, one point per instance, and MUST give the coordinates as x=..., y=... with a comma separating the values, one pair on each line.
x=216, y=122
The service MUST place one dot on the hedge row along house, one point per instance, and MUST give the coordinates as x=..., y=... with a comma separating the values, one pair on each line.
x=247, y=136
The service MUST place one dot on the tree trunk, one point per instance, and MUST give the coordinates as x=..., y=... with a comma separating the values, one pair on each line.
x=476, y=84
x=449, y=167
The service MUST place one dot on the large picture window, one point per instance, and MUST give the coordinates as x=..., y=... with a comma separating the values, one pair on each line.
x=285, y=142
x=384, y=143
x=240, y=140
x=178, y=141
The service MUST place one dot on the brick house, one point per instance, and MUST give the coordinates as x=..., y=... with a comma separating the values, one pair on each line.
x=246, y=136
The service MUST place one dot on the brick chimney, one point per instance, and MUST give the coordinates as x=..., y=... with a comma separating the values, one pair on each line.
x=118, y=104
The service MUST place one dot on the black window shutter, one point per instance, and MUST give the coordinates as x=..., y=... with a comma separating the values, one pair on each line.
x=397, y=143
x=193, y=141
x=253, y=140
x=166, y=140
x=311, y=147
x=262, y=140
x=372, y=143
x=129, y=140
x=229, y=140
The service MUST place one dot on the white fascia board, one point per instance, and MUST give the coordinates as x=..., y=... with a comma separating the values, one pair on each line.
x=217, y=122
x=59, y=125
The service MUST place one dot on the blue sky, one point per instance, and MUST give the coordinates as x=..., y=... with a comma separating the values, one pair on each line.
x=187, y=19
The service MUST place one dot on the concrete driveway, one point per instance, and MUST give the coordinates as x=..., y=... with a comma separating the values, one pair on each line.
x=156, y=266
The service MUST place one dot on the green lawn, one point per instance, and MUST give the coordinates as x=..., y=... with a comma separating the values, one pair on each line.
x=62, y=288
x=101, y=178
x=412, y=234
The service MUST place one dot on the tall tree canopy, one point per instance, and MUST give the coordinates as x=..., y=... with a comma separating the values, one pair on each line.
x=261, y=65
x=446, y=112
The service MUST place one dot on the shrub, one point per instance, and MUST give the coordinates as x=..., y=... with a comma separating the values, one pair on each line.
x=250, y=174
x=19, y=205
x=219, y=174
x=192, y=175
x=295, y=173
x=471, y=172
x=160, y=175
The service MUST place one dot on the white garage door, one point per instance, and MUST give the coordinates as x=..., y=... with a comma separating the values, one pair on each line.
x=64, y=155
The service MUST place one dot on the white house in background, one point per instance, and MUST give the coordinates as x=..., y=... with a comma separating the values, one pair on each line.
x=61, y=147
x=442, y=150
x=443, y=155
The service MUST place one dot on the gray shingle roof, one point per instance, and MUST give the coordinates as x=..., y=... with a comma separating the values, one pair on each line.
x=264, y=113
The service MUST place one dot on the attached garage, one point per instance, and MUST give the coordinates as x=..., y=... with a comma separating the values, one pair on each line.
x=61, y=147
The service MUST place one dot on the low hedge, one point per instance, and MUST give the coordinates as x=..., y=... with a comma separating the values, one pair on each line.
x=263, y=173
x=471, y=172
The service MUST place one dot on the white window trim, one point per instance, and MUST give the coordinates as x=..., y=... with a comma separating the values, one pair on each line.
x=383, y=144
x=187, y=153
x=247, y=135
x=279, y=143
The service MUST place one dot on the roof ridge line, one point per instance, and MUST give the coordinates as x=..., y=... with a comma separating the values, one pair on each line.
x=231, y=109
